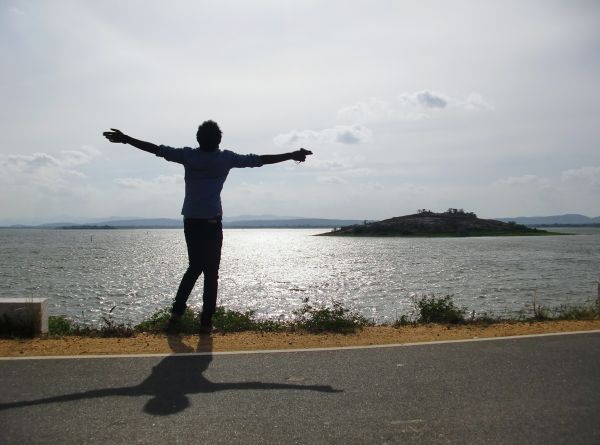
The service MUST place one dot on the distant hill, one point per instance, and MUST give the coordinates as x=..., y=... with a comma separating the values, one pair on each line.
x=261, y=222
x=317, y=223
x=452, y=223
x=554, y=220
x=263, y=217
x=144, y=223
x=274, y=221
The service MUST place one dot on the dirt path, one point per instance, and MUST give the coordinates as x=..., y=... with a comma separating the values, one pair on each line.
x=151, y=344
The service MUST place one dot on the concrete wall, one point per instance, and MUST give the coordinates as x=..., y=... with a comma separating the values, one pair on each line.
x=25, y=312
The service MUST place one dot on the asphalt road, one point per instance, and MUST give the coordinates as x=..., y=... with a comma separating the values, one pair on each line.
x=542, y=390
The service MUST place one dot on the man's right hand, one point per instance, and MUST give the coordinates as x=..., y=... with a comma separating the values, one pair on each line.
x=116, y=136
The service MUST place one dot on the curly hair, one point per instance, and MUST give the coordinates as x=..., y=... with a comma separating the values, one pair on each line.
x=209, y=135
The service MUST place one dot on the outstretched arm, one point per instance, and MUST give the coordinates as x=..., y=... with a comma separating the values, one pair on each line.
x=298, y=155
x=118, y=137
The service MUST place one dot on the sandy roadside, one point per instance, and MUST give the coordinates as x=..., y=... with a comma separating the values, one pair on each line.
x=245, y=341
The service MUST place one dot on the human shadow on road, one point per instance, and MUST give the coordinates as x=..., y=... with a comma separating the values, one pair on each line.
x=172, y=380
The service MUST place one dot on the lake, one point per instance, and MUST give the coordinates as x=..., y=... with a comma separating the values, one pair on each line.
x=86, y=273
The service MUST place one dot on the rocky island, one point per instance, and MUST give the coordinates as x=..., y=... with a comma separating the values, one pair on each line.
x=452, y=223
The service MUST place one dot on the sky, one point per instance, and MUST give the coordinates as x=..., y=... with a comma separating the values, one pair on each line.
x=489, y=106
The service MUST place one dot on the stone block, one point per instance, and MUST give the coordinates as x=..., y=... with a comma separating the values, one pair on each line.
x=25, y=313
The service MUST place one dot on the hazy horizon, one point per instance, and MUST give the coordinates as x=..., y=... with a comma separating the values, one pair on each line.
x=232, y=218
x=487, y=106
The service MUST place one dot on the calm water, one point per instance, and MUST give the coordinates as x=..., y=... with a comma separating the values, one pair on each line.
x=85, y=273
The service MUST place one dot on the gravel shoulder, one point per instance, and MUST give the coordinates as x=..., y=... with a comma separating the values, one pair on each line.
x=249, y=341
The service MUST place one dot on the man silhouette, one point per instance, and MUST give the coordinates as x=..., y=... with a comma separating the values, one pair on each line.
x=206, y=169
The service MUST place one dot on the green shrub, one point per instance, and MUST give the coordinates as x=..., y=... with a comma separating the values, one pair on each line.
x=540, y=313
x=432, y=309
x=60, y=325
x=574, y=312
x=112, y=329
x=328, y=319
x=227, y=320
x=483, y=318
x=404, y=320
x=159, y=322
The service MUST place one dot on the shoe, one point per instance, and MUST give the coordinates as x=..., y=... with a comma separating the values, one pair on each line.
x=175, y=318
x=174, y=323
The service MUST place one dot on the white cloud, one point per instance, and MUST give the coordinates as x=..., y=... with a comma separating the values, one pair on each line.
x=524, y=180
x=340, y=134
x=325, y=164
x=411, y=189
x=425, y=99
x=79, y=157
x=16, y=11
x=541, y=76
x=28, y=163
x=359, y=172
x=40, y=184
x=160, y=182
x=373, y=186
x=371, y=110
x=431, y=100
x=475, y=101
x=160, y=195
x=589, y=175
x=332, y=180
x=410, y=107
x=44, y=171
x=130, y=183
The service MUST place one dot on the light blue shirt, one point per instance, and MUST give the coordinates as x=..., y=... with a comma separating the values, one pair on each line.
x=205, y=174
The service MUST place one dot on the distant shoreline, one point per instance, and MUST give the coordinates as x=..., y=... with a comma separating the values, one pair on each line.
x=109, y=227
x=265, y=226
x=165, y=223
x=92, y=227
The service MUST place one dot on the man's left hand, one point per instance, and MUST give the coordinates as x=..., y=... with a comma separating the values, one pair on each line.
x=300, y=155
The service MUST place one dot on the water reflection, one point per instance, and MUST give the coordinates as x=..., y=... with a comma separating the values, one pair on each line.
x=271, y=271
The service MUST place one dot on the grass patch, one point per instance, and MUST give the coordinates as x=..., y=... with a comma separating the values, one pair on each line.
x=318, y=318
x=336, y=318
x=404, y=320
x=586, y=311
x=60, y=325
x=443, y=310
x=309, y=318
x=483, y=319
x=563, y=312
x=227, y=320
x=432, y=309
x=573, y=312
x=158, y=322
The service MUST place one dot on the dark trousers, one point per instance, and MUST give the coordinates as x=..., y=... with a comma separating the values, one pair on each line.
x=204, y=239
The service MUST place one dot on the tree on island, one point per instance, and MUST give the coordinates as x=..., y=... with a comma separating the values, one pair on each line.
x=451, y=212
